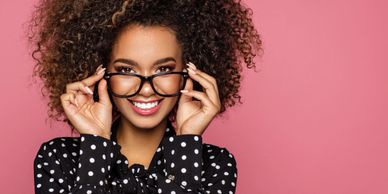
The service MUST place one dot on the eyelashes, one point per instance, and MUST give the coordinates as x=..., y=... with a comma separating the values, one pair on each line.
x=129, y=69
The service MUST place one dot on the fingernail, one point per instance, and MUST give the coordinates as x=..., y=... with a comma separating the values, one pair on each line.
x=98, y=67
x=192, y=65
x=191, y=71
x=89, y=90
x=184, y=91
x=101, y=71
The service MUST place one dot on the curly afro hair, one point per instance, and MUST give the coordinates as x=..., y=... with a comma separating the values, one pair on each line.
x=72, y=38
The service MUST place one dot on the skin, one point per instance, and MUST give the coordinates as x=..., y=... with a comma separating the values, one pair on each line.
x=140, y=135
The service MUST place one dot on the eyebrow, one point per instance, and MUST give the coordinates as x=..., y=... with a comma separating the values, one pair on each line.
x=132, y=62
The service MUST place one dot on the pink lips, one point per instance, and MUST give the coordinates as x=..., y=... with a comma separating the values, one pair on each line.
x=145, y=112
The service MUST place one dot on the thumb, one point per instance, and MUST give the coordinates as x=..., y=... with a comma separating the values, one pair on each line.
x=186, y=98
x=103, y=93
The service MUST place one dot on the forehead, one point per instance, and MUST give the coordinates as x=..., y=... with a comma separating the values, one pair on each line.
x=145, y=44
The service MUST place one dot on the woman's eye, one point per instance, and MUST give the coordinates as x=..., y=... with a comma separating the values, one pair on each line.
x=165, y=69
x=123, y=69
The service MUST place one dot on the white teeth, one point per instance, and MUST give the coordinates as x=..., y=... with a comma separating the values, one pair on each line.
x=145, y=105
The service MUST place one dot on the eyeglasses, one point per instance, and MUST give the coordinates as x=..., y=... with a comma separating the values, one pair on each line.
x=166, y=84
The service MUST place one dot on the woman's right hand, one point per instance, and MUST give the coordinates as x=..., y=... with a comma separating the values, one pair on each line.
x=86, y=115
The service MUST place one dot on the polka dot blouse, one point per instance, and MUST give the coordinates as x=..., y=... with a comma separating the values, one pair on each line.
x=93, y=164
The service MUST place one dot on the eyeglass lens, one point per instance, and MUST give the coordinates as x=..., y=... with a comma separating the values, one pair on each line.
x=169, y=84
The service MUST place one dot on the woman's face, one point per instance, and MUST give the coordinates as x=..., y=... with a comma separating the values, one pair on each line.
x=145, y=51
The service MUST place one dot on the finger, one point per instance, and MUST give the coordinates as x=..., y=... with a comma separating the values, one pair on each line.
x=68, y=99
x=91, y=80
x=98, y=70
x=210, y=78
x=208, y=104
x=103, y=93
x=78, y=86
x=188, y=87
x=86, y=84
x=210, y=90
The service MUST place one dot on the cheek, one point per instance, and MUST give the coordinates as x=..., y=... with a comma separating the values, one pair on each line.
x=120, y=102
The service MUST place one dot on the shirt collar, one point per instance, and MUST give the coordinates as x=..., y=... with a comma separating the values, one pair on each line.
x=138, y=169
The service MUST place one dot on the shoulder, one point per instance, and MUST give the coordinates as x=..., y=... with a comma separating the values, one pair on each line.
x=66, y=147
x=213, y=153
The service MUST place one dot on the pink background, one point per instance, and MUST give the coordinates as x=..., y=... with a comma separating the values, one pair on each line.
x=314, y=119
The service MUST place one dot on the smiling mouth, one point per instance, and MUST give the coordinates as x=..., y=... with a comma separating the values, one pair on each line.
x=145, y=105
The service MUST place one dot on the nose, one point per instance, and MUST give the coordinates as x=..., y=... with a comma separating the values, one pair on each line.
x=146, y=89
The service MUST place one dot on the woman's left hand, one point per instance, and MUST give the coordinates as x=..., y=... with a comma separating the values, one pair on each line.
x=193, y=117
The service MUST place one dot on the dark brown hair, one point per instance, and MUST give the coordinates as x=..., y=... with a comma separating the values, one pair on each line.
x=71, y=38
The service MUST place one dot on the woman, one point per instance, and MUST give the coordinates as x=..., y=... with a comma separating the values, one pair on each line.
x=168, y=68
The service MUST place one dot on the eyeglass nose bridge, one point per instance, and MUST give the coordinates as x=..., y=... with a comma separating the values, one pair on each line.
x=148, y=79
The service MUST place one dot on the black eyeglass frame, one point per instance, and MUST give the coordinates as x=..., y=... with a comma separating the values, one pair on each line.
x=143, y=79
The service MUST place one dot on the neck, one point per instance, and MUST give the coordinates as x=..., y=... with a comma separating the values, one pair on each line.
x=138, y=144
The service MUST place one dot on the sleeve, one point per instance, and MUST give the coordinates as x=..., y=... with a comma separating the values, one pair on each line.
x=96, y=155
x=185, y=172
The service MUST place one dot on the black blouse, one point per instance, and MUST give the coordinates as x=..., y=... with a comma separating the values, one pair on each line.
x=93, y=164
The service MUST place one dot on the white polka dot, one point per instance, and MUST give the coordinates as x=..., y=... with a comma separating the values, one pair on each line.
x=183, y=170
x=183, y=144
x=172, y=152
x=51, y=190
x=52, y=171
x=159, y=190
x=184, y=157
x=172, y=192
x=93, y=147
x=196, y=151
x=105, y=144
x=82, y=138
x=172, y=165
x=171, y=139
x=196, y=164
x=38, y=185
x=91, y=160
x=184, y=183
x=60, y=180
x=90, y=173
